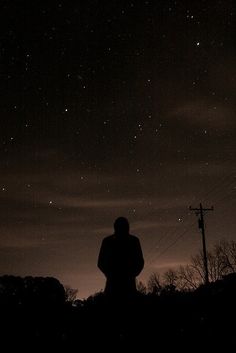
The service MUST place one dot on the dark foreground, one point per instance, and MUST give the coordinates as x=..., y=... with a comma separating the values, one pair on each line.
x=36, y=318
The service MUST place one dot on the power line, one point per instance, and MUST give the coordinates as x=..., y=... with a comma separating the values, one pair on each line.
x=155, y=256
x=172, y=244
x=220, y=183
x=225, y=183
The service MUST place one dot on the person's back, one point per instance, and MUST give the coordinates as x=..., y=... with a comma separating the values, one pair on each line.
x=121, y=260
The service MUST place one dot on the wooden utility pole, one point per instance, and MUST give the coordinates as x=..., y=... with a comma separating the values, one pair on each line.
x=200, y=213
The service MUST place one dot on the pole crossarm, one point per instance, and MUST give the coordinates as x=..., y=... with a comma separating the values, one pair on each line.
x=203, y=209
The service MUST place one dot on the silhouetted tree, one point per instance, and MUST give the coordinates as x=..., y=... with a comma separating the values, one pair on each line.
x=221, y=261
x=187, y=278
x=70, y=294
x=226, y=254
x=12, y=290
x=141, y=288
x=170, y=278
x=154, y=284
x=44, y=291
x=31, y=291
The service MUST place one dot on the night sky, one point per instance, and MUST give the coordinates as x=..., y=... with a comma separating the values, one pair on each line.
x=114, y=108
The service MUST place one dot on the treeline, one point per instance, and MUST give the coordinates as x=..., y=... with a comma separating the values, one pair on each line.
x=221, y=262
x=31, y=291
x=41, y=319
x=40, y=314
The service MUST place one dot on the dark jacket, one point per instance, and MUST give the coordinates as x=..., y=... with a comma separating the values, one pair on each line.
x=121, y=260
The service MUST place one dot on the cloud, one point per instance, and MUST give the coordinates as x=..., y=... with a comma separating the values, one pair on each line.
x=205, y=115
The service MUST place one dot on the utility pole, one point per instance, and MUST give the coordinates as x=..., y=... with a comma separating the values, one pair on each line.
x=201, y=225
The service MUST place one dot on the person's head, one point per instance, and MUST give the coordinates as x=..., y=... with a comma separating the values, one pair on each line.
x=121, y=226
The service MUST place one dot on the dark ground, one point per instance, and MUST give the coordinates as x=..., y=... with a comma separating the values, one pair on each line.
x=35, y=317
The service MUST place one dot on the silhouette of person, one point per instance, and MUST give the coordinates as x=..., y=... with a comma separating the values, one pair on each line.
x=121, y=260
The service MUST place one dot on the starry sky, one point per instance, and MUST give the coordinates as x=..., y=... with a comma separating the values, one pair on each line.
x=114, y=108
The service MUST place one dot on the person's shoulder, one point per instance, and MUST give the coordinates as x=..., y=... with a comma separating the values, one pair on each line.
x=108, y=238
x=134, y=238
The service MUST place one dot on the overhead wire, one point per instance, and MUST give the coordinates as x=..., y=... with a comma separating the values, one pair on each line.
x=225, y=182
